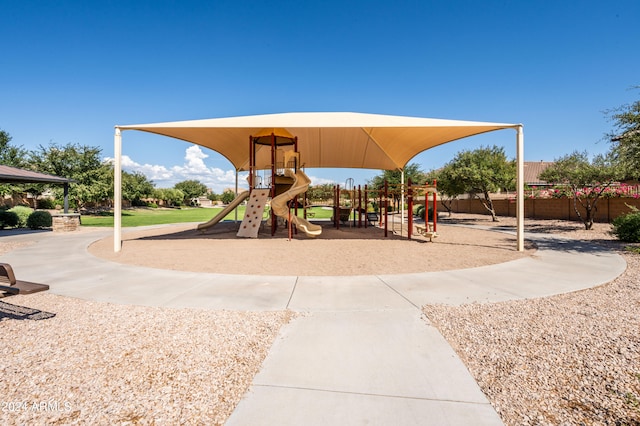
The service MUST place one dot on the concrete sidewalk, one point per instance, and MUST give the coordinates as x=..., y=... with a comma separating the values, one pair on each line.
x=361, y=353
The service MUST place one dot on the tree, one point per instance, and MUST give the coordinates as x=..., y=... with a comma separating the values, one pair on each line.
x=322, y=192
x=626, y=138
x=227, y=196
x=213, y=196
x=135, y=187
x=93, y=177
x=479, y=172
x=448, y=187
x=14, y=156
x=394, y=179
x=191, y=189
x=587, y=180
x=171, y=196
x=11, y=155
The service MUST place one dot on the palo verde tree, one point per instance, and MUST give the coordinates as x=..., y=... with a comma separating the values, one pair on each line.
x=480, y=173
x=394, y=178
x=586, y=180
x=626, y=138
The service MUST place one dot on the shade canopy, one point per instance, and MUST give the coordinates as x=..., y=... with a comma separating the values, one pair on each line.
x=325, y=139
x=10, y=174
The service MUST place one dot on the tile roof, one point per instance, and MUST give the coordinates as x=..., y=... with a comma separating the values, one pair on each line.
x=532, y=170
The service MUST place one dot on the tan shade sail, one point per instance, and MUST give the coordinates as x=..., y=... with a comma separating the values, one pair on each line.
x=325, y=139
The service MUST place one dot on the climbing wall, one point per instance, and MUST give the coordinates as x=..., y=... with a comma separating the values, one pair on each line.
x=253, y=214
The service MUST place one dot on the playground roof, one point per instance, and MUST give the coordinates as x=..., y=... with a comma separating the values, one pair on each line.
x=325, y=139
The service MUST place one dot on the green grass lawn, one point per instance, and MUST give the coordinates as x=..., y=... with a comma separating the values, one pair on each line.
x=144, y=217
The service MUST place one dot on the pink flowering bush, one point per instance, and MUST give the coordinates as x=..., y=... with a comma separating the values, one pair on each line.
x=617, y=191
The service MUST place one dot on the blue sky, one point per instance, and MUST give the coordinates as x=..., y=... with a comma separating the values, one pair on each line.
x=71, y=70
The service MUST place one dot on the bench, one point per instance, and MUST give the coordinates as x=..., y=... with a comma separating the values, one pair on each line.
x=10, y=286
x=425, y=232
x=372, y=218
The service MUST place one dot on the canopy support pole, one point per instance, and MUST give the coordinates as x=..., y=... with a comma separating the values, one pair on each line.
x=401, y=201
x=236, y=210
x=117, y=191
x=66, y=197
x=520, y=187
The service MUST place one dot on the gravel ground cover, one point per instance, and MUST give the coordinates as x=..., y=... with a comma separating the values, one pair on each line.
x=570, y=359
x=562, y=360
x=102, y=364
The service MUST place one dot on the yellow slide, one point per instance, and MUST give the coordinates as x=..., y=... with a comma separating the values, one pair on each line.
x=279, y=204
x=232, y=205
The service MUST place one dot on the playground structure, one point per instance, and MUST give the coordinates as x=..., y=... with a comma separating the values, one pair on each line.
x=356, y=215
x=228, y=209
x=284, y=183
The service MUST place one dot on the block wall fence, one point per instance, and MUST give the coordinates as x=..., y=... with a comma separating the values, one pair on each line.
x=607, y=209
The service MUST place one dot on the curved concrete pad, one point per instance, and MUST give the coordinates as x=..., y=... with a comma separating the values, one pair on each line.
x=362, y=353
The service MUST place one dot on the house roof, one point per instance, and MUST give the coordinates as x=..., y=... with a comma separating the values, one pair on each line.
x=532, y=171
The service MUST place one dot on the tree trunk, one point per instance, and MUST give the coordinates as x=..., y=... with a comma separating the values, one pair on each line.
x=487, y=202
x=590, y=211
x=448, y=205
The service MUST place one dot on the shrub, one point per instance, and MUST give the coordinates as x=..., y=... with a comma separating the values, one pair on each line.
x=420, y=212
x=39, y=219
x=23, y=214
x=46, y=204
x=627, y=227
x=8, y=219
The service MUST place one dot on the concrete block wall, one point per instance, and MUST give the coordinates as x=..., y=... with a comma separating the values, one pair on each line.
x=547, y=208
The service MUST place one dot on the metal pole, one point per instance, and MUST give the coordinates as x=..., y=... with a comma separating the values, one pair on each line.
x=251, y=161
x=409, y=210
x=359, y=207
x=273, y=182
x=435, y=208
x=401, y=200
x=520, y=187
x=386, y=206
x=366, y=206
x=117, y=191
x=236, y=210
x=337, y=215
x=66, y=197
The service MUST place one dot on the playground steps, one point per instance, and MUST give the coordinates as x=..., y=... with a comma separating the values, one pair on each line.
x=253, y=214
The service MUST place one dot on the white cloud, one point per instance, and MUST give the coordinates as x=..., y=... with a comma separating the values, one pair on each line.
x=193, y=168
x=321, y=181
